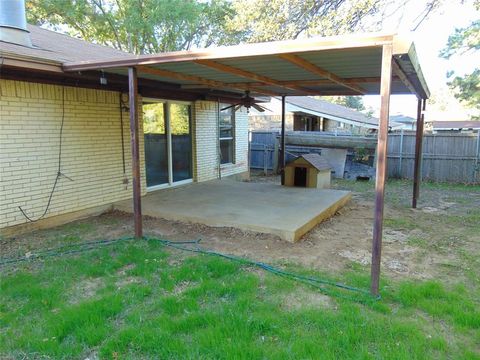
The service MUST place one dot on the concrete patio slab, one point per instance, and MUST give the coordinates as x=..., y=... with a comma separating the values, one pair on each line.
x=288, y=212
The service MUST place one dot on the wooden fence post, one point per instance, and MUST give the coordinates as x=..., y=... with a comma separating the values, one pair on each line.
x=400, y=159
x=265, y=159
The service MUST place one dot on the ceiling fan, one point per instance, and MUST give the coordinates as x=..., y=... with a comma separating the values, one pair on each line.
x=247, y=101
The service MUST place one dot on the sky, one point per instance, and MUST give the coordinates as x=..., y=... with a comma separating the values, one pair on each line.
x=429, y=38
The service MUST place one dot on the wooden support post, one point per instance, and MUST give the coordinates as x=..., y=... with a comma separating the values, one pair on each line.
x=133, y=102
x=417, y=171
x=385, y=86
x=282, y=153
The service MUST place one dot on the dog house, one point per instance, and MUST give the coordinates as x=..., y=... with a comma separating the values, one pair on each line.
x=308, y=170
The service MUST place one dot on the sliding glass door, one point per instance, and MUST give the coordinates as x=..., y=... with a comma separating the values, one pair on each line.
x=156, y=144
x=168, y=143
x=181, y=137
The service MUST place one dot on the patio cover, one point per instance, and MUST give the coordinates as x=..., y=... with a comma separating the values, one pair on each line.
x=346, y=65
x=341, y=65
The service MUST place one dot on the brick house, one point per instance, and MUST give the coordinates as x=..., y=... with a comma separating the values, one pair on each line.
x=187, y=137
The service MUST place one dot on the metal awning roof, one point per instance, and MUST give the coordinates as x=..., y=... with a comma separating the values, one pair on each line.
x=341, y=65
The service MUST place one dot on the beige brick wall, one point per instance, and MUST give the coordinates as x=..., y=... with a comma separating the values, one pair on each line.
x=205, y=144
x=30, y=119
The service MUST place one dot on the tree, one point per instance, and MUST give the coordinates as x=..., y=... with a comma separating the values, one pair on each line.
x=140, y=27
x=152, y=26
x=266, y=20
x=352, y=102
x=463, y=41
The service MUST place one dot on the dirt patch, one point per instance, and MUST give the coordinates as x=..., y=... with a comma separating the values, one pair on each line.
x=126, y=280
x=419, y=244
x=392, y=236
x=330, y=246
x=86, y=289
x=307, y=299
x=182, y=286
x=129, y=280
x=124, y=269
x=362, y=257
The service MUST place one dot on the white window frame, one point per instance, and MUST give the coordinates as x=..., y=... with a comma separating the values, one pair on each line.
x=228, y=138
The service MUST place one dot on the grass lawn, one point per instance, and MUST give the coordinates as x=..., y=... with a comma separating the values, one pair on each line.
x=139, y=299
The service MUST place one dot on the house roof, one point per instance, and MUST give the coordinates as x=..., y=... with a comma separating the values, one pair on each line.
x=317, y=161
x=55, y=48
x=403, y=119
x=318, y=107
x=330, y=110
x=455, y=125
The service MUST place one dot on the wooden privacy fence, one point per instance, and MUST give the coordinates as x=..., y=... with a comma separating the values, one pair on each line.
x=264, y=150
x=447, y=157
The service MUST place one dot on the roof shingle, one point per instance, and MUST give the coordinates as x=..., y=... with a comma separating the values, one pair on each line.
x=55, y=47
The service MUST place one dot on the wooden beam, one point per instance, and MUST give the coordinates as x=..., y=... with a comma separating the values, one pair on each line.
x=371, y=80
x=385, y=88
x=403, y=78
x=417, y=170
x=251, y=76
x=134, y=139
x=304, y=64
x=197, y=79
x=352, y=81
x=283, y=152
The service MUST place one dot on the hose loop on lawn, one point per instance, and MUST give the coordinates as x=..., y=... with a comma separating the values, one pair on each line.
x=194, y=247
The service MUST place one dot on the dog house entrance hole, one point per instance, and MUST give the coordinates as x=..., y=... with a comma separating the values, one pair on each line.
x=300, y=176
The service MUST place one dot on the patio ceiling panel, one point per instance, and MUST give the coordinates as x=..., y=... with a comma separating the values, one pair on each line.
x=188, y=79
x=268, y=68
x=199, y=70
x=367, y=61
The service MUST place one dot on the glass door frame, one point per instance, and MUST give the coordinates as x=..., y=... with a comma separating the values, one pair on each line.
x=168, y=128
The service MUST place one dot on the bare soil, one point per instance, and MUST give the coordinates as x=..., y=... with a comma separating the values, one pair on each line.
x=417, y=243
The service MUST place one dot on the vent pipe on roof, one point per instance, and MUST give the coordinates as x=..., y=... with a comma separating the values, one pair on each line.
x=13, y=23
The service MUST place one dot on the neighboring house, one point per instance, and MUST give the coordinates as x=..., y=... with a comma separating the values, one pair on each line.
x=466, y=125
x=305, y=113
x=405, y=122
x=42, y=108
